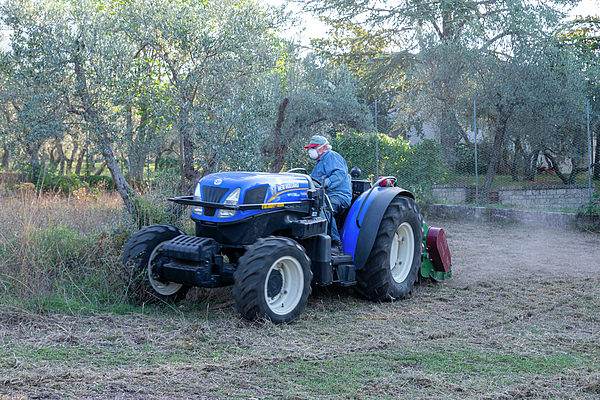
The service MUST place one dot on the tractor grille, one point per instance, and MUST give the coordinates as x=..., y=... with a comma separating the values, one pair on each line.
x=256, y=195
x=212, y=194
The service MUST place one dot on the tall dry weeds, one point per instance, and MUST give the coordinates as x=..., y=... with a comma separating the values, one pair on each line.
x=52, y=244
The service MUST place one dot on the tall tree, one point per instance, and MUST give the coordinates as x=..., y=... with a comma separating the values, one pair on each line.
x=311, y=97
x=582, y=36
x=31, y=114
x=208, y=52
x=412, y=36
x=535, y=96
x=65, y=44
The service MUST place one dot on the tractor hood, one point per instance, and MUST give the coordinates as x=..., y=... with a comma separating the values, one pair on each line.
x=247, y=188
x=278, y=187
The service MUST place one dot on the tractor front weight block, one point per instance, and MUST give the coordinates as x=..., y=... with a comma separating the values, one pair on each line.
x=194, y=260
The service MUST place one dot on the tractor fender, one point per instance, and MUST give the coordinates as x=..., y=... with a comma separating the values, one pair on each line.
x=363, y=220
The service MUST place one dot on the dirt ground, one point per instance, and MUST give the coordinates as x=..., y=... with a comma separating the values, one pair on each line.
x=494, y=251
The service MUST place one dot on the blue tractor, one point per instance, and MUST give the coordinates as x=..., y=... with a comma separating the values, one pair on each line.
x=267, y=235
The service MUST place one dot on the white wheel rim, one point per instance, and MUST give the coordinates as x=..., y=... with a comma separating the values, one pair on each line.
x=162, y=288
x=289, y=294
x=402, y=252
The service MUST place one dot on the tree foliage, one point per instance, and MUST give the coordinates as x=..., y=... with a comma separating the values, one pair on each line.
x=438, y=57
x=202, y=81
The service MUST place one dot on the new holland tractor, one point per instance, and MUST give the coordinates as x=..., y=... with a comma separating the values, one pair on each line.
x=267, y=235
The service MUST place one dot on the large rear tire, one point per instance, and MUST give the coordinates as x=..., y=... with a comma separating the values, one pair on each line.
x=393, y=264
x=272, y=280
x=138, y=260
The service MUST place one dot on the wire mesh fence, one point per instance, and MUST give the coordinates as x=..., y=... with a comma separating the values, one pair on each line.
x=561, y=179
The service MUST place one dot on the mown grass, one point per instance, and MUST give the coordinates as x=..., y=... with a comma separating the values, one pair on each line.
x=67, y=331
x=482, y=341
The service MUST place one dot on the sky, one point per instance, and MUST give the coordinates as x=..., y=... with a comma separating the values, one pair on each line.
x=315, y=29
x=587, y=7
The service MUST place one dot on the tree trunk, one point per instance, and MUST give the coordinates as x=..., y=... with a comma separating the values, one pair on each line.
x=518, y=160
x=504, y=166
x=80, y=161
x=32, y=150
x=190, y=172
x=60, y=160
x=495, y=158
x=101, y=169
x=596, y=160
x=567, y=180
x=91, y=114
x=279, y=145
x=71, y=159
x=181, y=163
x=528, y=166
x=51, y=156
x=126, y=192
x=137, y=155
x=5, y=163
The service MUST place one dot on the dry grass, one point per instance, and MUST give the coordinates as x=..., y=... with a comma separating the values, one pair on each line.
x=489, y=340
x=51, y=238
x=508, y=335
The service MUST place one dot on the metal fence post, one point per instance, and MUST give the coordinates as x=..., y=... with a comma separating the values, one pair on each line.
x=589, y=153
x=376, y=145
x=476, y=174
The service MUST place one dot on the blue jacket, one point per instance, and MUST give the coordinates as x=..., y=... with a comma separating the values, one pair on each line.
x=333, y=168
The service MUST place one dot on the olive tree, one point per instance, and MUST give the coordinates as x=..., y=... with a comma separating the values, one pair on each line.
x=311, y=97
x=65, y=43
x=207, y=55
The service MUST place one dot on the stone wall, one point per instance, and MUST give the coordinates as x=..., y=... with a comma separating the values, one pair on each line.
x=502, y=215
x=455, y=194
x=540, y=197
x=572, y=196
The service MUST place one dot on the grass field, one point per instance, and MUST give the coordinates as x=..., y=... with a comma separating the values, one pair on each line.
x=66, y=331
x=507, y=181
x=490, y=340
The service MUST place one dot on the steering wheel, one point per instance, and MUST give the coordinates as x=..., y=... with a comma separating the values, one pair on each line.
x=303, y=170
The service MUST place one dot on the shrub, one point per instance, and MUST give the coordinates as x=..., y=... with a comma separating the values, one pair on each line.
x=592, y=209
x=168, y=163
x=417, y=166
x=100, y=181
x=465, y=160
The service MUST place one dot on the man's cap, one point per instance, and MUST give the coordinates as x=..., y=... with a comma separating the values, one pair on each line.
x=316, y=141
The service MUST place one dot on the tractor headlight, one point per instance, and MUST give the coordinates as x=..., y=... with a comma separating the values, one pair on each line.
x=233, y=199
x=197, y=196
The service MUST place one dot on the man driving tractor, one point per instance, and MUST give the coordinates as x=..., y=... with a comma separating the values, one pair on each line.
x=331, y=169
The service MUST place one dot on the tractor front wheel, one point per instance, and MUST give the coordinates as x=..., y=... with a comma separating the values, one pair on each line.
x=272, y=280
x=139, y=257
x=393, y=265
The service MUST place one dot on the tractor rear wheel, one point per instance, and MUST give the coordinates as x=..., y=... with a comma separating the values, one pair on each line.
x=272, y=280
x=139, y=255
x=393, y=265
